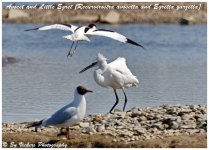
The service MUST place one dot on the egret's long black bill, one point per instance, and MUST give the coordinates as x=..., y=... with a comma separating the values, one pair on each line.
x=88, y=67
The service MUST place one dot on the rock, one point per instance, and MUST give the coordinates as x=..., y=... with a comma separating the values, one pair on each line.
x=171, y=110
x=15, y=13
x=107, y=116
x=117, y=110
x=5, y=13
x=90, y=130
x=84, y=124
x=142, y=118
x=100, y=128
x=114, y=140
x=126, y=133
x=174, y=125
x=186, y=117
x=110, y=128
x=188, y=125
x=85, y=18
x=187, y=21
x=139, y=131
x=9, y=60
x=121, y=114
x=112, y=17
x=167, y=121
x=157, y=125
x=76, y=127
x=98, y=118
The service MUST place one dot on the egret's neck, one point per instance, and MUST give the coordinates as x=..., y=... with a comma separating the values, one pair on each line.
x=103, y=65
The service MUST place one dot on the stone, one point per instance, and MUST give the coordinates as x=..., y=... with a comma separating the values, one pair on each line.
x=107, y=116
x=190, y=125
x=114, y=140
x=112, y=17
x=100, y=128
x=98, y=118
x=15, y=13
x=85, y=18
x=126, y=133
x=5, y=13
x=75, y=127
x=142, y=118
x=167, y=121
x=110, y=128
x=174, y=125
x=9, y=60
x=186, y=117
x=121, y=114
x=187, y=21
x=139, y=131
x=84, y=124
x=90, y=130
x=157, y=125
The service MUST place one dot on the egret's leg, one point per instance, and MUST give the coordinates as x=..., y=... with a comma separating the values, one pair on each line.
x=70, y=49
x=71, y=54
x=115, y=102
x=125, y=99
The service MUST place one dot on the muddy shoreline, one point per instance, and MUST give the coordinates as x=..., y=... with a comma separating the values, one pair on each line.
x=137, y=127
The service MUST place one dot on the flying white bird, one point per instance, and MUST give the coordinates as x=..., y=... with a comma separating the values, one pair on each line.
x=83, y=33
x=115, y=75
x=69, y=114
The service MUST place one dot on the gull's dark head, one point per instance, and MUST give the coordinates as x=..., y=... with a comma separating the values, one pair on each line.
x=82, y=90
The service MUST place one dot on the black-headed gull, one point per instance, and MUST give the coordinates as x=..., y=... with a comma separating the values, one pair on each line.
x=70, y=114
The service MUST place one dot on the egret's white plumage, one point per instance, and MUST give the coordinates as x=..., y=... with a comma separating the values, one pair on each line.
x=115, y=75
x=70, y=114
x=83, y=33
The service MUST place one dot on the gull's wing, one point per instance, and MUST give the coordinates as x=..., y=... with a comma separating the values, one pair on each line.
x=114, y=35
x=66, y=27
x=61, y=116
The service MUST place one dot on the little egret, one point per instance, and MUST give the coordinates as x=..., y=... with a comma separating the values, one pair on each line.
x=115, y=75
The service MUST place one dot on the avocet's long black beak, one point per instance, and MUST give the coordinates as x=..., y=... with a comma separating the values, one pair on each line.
x=88, y=67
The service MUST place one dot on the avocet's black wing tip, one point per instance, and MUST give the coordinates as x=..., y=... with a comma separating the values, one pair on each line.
x=31, y=29
x=134, y=43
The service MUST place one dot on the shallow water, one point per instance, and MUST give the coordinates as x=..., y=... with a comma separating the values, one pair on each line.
x=171, y=70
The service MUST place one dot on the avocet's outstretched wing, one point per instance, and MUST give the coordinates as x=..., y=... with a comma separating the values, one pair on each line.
x=114, y=35
x=66, y=27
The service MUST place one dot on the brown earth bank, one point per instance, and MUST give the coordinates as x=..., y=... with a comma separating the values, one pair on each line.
x=114, y=13
x=162, y=126
x=32, y=140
